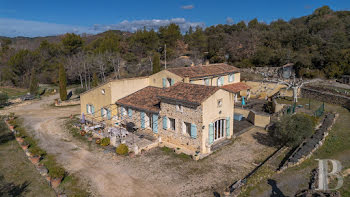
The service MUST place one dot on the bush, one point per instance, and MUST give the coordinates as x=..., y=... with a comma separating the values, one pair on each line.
x=292, y=130
x=36, y=151
x=56, y=172
x=105, y=141
x=122, y=149
x=3, y=98
x=79, y=91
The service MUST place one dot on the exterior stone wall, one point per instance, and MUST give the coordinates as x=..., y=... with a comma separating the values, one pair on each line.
x=178, y=137
x=325, y=97
x=258, y=119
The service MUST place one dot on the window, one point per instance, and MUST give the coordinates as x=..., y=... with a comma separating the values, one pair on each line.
x=186, y=128
x=103, y=91
x=206, y=82
x=172, y=124
x=231, y=78
x=219, y=102
x=89, y=109
x=179, y=108
x=220, y=81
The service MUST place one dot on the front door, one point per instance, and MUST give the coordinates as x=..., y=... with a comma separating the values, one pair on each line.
x=219, y=129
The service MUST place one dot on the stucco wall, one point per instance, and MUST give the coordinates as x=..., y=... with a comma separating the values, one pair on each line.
x=178, y=137
x=258, y=119
x=157, y=79
x=213, y=81
x=211, y=113
x=96, y=98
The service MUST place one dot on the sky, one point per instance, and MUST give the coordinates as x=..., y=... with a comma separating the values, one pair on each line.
x=53, y=17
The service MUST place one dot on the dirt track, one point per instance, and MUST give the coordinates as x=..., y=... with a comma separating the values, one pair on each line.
x=152, y=174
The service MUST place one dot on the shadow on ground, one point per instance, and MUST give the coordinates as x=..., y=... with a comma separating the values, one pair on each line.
x=264, y=139
x=276, y=192
x=11, y=189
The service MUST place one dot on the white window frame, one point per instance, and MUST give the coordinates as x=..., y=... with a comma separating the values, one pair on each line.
x=231, y=78
x=205, y=81
x=89, y=109
x=185, y=128
x=104, y=113
x=219, y=81
x=169, y=124
x=219, y=103
x=179, y=108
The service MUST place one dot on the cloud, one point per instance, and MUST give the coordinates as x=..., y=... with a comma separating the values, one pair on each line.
x=133, y=26
x=14, y=27
x=187, y=7
x=229, y=21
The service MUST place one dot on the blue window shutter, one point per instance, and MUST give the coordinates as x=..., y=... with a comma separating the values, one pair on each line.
x=165, y=124
x=93, y=109
x=172, y=82
x=87, y=108
x=130, y=112
x=227, y=126
x=222, y=80
x=164, y=82
x=142, y=120
x=211, y=133
x=155, y=123
x=102, y=112
x=193, y=131
x=109, y=114
x=233, y=77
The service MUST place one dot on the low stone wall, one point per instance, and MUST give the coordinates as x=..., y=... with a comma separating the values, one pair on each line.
x=307, y=92
x=70, y=102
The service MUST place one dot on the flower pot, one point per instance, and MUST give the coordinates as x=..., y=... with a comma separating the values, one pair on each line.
x=25, y=147
x=82, y=133
x=131, y=154
x=12, y=127
x=48, y=178
x=89, y=139
x=20, y=139
x=55, y=182
x=98, y=141
x=35, y=159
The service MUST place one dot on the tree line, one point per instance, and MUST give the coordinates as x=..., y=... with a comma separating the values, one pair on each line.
x=318, y=45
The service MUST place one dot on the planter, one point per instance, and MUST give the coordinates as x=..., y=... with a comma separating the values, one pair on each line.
x=19, y=139
x=55, y=182
x=35, y=159
x=195, y=157
x=24, y=147
x=131, y=154
x=12, y=127
x=82, y=133
x=89, y=139
x=98, y=141
x=48, y=178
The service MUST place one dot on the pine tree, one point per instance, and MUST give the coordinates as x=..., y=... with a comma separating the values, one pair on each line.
x=94, y=80
x=156, y=63
x=33, y=86
x=62, y=82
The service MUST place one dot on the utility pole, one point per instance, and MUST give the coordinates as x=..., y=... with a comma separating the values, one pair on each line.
x=165, y=54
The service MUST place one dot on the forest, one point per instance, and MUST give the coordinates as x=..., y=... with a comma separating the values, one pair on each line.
x=318, y=45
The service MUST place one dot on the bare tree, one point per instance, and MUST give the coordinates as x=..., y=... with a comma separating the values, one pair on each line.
x=114, y=59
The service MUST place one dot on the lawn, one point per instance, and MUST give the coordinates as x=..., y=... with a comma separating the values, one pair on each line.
x=18, y=176
x=13, y=92
x=336, y=146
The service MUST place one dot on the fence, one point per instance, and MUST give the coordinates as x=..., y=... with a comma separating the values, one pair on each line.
x=319, y=112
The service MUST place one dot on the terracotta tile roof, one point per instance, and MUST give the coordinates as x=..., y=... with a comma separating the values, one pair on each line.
x=188, y=93
x=236, y=87
x=144, y=99
x=203, y=71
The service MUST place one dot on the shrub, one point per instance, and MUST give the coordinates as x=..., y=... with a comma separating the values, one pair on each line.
x=35, y=150
x=3, y=98
x=105, y=141
x=122, y=149
x=292, y=130
x=78, y=91
x=30, y=141
x=56, y=172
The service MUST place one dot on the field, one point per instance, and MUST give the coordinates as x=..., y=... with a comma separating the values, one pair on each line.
x=18, y=176
x=13, y=92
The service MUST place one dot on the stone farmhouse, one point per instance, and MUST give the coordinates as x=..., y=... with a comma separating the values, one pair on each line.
x=187, y=107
